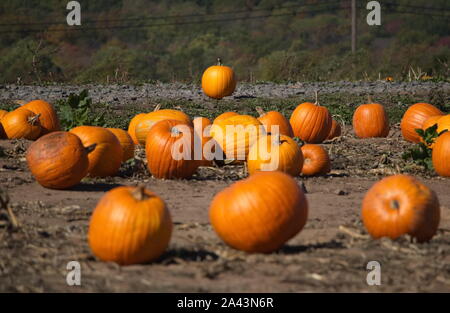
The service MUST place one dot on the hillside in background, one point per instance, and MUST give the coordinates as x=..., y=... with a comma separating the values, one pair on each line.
x=130, y=41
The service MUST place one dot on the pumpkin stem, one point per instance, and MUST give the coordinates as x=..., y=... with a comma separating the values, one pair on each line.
x=175, y=131
x=32, y=120
x=260, y=111
x=316, y=94
x=395, y=205
x=90, y=148
x=369, y=99
x=139, y=193
x=219, y=62
x=157, y=107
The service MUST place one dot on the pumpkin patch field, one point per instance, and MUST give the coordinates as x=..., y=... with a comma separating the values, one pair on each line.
x=89, y=176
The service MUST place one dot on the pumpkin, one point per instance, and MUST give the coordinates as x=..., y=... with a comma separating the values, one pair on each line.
x=274, y=118
x=275, y=153
x=105, y=160
x=145, y=123
x=58, y=160
x=218, y=81
x=335, y=130
x=2, y=114
x=441, y=155
x=48, y=117
x=431, y=121
x=130, y=225
x=311, y=122
x=443, y=123
x=2, y=131
x=316, y=160
x=126, y=142
x=370, y=120
x=260, y=213
x=169, y=150
x=224, y=116
x=202, y=127
x=236, y=134
x=132, y=126
x=399, y=205
x=414, y=118
x=21, y=123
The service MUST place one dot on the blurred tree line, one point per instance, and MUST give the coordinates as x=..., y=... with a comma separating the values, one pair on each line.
x=119, y=43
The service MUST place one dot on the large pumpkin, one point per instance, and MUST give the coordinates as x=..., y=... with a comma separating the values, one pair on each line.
x=399, y=205
x=202, y=128
x=58, y=160
x=236, y=134
x=260, y=213
x=441, y=155
x=126, y=142
x=132, y=126
x=273, y=119
x=275, y=153
x=169, y=150
x=311, y=122
x=218, y=81
x=315, y=160
x=224, y=116
x=335, y=130
x=130, y=225
x=48, y=117
x=414, y=118
x=370, y=120
x=21, y=124
x=105, y=160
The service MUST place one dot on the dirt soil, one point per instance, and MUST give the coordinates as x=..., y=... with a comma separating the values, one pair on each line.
x=329, y=255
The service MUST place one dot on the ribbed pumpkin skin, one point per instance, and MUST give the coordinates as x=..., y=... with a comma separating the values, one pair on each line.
x=105, y=160
x=49, y=119
x=223, y=116
x=414, y=118
x=441, y=155
x=311, y=123
x=416, y=211
x=132, y=126
x=21, y=123
x=158, y=150
x=276, y=118
x=260, y=213
x=147, y=122
x=335, y=130
x=443, y=123
x=316, y=160
x=236, y=141
x=370, y=120
x=284, y=155
x=202, y=127
x=58, y=160
x=129, y=230
x=218, y=81
x=126, y=142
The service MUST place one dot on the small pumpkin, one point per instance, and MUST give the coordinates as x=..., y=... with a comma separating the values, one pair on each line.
x=202, y=127
x=399, y=205
x=414, y=118
x=58, y=160
x=145, y=123
x=260, y=213
x=316, y=160
x=126, y=142
x=107, y=157
x=21, y=124
x=224, y=116
x=169, y=150
x=130, y=225
x=275, y=153
x=431, y=121
x=335, y=130
x=443, y=123
x=370, y=120
x=48, y=118
x=218, y=81
x=132, y=126
x=441, y=155
x=311, y=122
x=274, y=118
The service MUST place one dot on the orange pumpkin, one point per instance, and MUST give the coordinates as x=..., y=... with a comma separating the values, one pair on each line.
x=2, y=114
x=169, y=150
x=202, y=127
x=260, y=213
x=58, y=160
x=48, y=117
x=236, y=134
x=443, y=123
x=275, y=153
x=132, y=126
x=218, y=81
x=224, y=116
x=130, y=225
x=370, y=120
x=335, y=130
x=399, y=205
x=274, y=118
x=126, y=142
x=315, y=160
x=146, y=122
x=311, y=122
x=431, y=121
x=2, y=131
x=414, y=118
x=441, y=155
x=21, y=123
x=105, y=160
